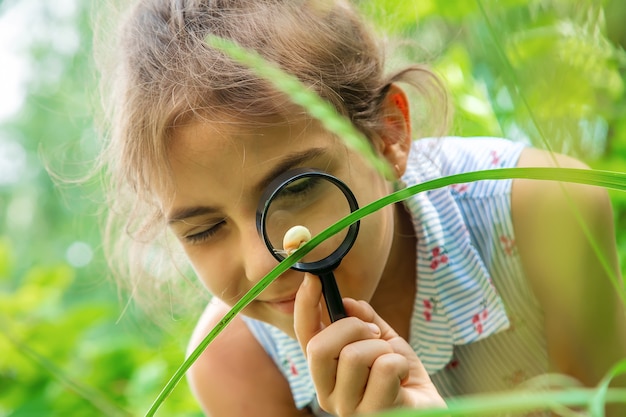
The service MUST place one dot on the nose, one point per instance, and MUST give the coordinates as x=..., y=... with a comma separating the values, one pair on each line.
x=256, y=257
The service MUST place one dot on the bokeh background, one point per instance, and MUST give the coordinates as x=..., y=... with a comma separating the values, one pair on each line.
x=548, y=72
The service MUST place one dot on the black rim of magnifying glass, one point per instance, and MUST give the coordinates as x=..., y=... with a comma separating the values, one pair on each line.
x=333, y=260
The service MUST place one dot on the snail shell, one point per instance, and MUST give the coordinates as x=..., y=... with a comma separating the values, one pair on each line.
x=294, y=238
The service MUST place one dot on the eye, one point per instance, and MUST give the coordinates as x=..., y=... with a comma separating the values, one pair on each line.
x=299, y=188
x=204, y=235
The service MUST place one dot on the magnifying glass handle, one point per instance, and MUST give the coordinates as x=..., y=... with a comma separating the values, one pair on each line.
x=334, y=304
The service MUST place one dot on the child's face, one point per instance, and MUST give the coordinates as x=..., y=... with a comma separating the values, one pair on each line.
x=221, y=170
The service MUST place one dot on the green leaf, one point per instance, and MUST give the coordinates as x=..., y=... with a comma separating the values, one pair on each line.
x=596, y=404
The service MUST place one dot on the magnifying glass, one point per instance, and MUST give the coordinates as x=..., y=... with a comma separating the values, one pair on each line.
x=309, y=200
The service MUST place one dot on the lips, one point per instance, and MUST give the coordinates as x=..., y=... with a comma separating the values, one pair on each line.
x=283, y=304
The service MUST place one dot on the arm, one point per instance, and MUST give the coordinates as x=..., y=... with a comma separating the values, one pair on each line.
x=584, y=317
x=234, y=376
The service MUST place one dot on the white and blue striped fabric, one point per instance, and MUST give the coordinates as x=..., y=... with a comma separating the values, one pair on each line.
x=476, y=325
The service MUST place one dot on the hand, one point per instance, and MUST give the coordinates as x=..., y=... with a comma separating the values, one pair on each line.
x=359, y=364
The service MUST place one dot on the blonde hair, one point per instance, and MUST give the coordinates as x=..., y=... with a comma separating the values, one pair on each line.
x=165, y=74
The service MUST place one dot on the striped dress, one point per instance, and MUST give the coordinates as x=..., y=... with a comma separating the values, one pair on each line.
x=476, y=325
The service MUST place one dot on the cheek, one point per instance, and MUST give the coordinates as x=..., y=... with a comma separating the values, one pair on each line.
x=367, y=259
x=376, y=236
x=362, y=268
x=376, y=232
x=217, y=271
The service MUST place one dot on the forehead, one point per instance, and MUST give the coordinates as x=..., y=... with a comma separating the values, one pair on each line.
x=219, y=155
x=227, y=141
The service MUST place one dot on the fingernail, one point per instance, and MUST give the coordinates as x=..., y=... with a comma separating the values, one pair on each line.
x=374, y=328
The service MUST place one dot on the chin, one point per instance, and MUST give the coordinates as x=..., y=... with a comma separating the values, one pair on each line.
x=285, y=323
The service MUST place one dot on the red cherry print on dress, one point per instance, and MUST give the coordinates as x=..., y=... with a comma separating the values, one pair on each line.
x=430, y=306
x=438, y=257
x=508, y=244
x=495, y=158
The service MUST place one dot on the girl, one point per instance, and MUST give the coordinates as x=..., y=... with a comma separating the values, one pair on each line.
x=468, y=289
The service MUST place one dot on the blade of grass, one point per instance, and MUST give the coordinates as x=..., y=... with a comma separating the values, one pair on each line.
x=299, y=94
x=607, y=179
x=512, y=401
x=510, y=71
x=596, y=405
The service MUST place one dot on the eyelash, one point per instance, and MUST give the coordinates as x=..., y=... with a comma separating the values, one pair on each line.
x=302, y=188
x=205, y=235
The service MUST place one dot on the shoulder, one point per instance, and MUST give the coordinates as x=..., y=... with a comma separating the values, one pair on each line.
x=551, y=219
x=234, y=376
x=565, y=238
x=561, y=227
x=565, y=217
x=453, y=155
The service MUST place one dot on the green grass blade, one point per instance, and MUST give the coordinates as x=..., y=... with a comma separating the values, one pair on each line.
x=221, y=325
x=299, y=94
x=596, y=405
x=607, y=179
x=512, y=74
x=515, y=401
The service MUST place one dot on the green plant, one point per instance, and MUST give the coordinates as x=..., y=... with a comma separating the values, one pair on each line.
x=63, y=340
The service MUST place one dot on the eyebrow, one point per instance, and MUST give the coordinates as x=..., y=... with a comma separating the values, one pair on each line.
x=288, y=162
x=189, y=212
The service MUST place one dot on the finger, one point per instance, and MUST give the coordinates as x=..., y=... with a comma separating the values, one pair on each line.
x=324, y=349
x=385, y=382
x=366, y=312
x=307, y=311
x=353, y=372
x=418, y=376
x=411, y=385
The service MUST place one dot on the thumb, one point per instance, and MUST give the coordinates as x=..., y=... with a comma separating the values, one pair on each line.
x=307, y=315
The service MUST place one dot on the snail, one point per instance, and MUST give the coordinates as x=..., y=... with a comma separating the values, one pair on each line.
x=294, y=238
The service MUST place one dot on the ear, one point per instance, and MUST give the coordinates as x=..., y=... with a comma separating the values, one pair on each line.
x=396, y=132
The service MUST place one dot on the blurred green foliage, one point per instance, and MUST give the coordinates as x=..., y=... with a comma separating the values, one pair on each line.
x=66, y=347
x=549, y=72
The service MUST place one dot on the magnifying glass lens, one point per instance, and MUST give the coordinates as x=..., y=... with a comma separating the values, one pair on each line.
x=313, y=202
x=298, y=205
